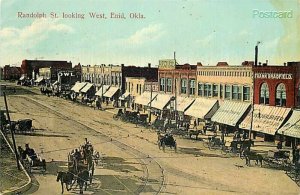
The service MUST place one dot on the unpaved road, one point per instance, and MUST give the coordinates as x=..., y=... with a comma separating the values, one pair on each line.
x=132, y=162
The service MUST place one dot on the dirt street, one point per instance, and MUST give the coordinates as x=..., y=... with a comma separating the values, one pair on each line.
x=131, y=161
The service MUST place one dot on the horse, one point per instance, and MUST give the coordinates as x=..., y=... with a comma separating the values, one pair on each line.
x=65, y=178
x=250, y=155
x=82, y=179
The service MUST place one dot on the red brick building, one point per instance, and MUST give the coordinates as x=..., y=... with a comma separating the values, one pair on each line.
x=11, y=72
x=277, y=85
x=30, y=68
x=181, y=77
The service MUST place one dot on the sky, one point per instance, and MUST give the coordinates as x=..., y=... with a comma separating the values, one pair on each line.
x=206, y=31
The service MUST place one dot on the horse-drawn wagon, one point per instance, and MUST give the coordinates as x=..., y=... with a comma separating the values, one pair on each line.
x=278, y=158
x=30, y=159
x=164, y=140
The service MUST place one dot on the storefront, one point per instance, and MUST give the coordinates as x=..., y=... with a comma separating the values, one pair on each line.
x=202, y=108
x=291, y=129
x=78, y=86
x=144, y=100
x=88, y=90
x=125, y=99
x=266, y=120
x=112, y=94
x=103, y=89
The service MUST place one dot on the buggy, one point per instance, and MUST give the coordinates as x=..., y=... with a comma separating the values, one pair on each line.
x=278, y=158
x=30, y=159
x=164, y=140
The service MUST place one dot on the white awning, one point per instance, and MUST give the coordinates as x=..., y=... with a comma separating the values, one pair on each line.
x=183, y=103
x=86, y=87
x=77, y=87
x=111, y=92
x=230, y=113
x=145, y=98
x=202, y=108
x=292, y=126
x=39, y=79
x=161, y=101
x=102, y=89
x=124, y=96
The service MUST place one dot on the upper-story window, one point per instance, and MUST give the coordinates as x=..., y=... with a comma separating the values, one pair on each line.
x=183, y=85
x=227, y=91
x=236, y=92
x=207, y=90
x=200, y=89
x=169, y=85
x=215, y=90
x=264, y=94
x=162, y=84
x=246, y=93
x=192, y=87
x=280, y=95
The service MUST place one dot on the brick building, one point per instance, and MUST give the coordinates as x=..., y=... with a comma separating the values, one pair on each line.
x=30, y=68
x=11, y=72
x=277, y=85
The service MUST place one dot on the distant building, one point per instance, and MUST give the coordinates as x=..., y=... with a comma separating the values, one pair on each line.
x=1, y=73
x=30, y=68
x=11, y=72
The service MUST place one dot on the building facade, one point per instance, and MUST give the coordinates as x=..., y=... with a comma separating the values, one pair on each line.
x=277, y=85
x=30, y=68
x=224, y=82
x=11, y=72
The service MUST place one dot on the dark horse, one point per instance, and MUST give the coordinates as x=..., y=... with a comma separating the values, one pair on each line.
x=65, y=178
x=82, y=179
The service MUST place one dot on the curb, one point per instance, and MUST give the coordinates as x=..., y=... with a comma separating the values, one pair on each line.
x=23, y=188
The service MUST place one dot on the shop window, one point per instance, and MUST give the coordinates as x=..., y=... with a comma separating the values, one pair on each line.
x=227, y=91
x=183, y=86
x=264, y=94
x=236, y=92
x=280, y=95
x=215, y=90
x=200, y=89
x=169, y=85
x=162, y=84
x=207, y=90
x=192, y=87
x=246, y=93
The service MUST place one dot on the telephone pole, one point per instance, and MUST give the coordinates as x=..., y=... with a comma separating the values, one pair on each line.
x=175, y=89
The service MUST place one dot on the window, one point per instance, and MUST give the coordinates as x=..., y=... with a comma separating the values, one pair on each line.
x=264, y=94
x=112, y=80
x=221, y=91
x=200, y=89
x=137, y=88
x=280, y=95
x=298, y=97
x=227, y=91
x=215, y=90
x=207, y=90
x=183, y=86
x=140, y=89
x=236, y=92
x=116, y=80
x=246, y=93
x=192, y=87
x=169, y=85
x=162, y=84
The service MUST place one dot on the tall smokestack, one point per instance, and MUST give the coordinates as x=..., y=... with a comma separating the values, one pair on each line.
x=256, y=53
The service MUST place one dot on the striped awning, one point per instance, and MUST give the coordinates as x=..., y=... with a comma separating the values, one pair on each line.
x=87, y=87
x=39, y=79
x=77, y=87
x=230, y=112
x=145, y=98
x=266, y=119
x=111, y=92
x=102, y=90
x=292, y=126
x=202, y=108
x=161, y=101
x=124, y=96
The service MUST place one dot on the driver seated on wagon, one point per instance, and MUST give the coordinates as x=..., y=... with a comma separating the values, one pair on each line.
x=168, y=138
x=30, y=152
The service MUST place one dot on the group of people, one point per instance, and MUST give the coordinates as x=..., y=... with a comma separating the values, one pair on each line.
x=83, y=153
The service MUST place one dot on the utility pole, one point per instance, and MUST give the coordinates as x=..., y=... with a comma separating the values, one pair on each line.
x=151, y=91
x=253, y=88
x=11, y=131
x=175, y=89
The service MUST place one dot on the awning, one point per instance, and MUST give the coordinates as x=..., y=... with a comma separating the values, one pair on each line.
x=183, y=103
x=230, y=113
x=266, y=119
x=145, y=98
x=124, y=96
x=86, y=87
x=39, y=79
x=161, y=101
x=76, y=88
x=292, y=126
x=202, y=108
x=111, y=92
x=102, y=89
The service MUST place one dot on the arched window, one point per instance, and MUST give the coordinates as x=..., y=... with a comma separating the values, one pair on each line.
x=264, y=94
x=280, y=95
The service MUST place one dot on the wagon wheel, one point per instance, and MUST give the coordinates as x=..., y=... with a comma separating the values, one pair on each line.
x=163, y=146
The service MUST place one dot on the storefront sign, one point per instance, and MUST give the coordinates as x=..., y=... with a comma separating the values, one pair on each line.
x=66, y=74
x=273, y=76
x=167, y=64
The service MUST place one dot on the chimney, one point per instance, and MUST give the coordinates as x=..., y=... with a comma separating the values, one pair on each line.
x=267, y=62
x=199, y=64
x=149, y=65
x=256, y=53
x=284, y=64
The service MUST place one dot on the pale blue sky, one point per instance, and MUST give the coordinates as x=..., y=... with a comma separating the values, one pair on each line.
x=204, y=31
